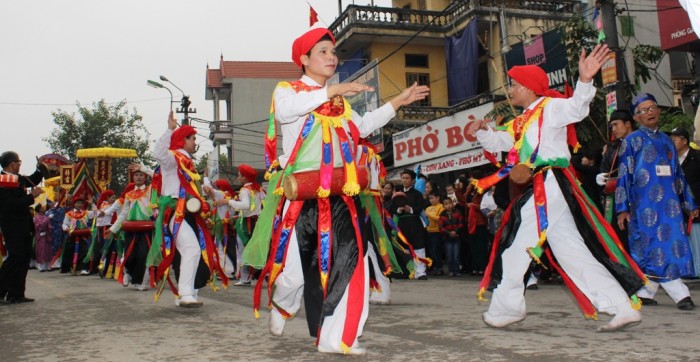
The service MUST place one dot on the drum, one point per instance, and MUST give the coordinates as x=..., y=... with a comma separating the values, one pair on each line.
x=137, y=226
x=304, y=185
x=80, y=233
x=521, y=174
x=193, y=205
x=610, y=186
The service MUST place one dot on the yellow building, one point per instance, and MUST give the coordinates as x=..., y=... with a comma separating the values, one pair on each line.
x=409, y=41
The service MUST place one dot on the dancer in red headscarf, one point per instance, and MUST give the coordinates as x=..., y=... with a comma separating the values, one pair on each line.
x=319, y=243
x=248, y=204
x=583, y=249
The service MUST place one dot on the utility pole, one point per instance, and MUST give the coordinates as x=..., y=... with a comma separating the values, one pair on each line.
x=185, y=109
x=607, y=10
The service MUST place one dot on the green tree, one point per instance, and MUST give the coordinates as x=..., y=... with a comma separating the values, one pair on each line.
x=579, y=34
x=103, y=125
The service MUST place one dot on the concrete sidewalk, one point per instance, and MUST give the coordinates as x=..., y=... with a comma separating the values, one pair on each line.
x=86, y=318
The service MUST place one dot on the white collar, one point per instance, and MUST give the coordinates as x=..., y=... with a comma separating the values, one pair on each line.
x=310, y=82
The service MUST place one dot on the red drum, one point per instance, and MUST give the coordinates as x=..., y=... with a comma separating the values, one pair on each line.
x=80, y=232
x=610, y=186
x=304, y=185
x=137, y=226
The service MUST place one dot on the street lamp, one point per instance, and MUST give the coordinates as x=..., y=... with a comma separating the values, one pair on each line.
x=185, y=103
x=154, y=84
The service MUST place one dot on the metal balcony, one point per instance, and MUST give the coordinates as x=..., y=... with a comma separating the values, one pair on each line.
x=420, y=115
x=220, y=131
x=397, y=19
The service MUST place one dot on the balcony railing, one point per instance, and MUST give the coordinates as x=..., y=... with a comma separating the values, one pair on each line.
x=220, y=130
x=420, y=115
x=439, y=21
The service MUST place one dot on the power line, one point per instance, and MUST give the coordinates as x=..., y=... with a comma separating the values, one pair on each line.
x=73, y=104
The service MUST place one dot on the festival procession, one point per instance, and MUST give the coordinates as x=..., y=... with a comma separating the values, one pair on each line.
x=406, y=147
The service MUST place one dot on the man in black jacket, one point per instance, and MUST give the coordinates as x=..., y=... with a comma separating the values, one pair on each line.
x=17, y=226
x=689, y=159
x=410, y=223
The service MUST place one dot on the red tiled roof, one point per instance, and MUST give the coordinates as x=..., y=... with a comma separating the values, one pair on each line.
x=284, y=70
x=214, y=78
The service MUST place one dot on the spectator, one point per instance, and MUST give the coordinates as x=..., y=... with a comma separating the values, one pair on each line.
x=409, y=219
x=43, y=238
x=650, y=197
x=690, y=163
x=451, y=226
x=621, y=126
x=17, y=227
x=435, y=243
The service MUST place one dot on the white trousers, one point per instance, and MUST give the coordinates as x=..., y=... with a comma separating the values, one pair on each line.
x=694, y=240
x=227, y=263
x=190, y=252
x=289, y=289
x=243, y=271
x=675, y=289
x=383, y=295
x=420, y=266
x=566, y=243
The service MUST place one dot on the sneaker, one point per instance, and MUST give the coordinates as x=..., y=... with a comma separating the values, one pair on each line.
x=422, y=277
x=127, y=280
x=241, y=283
x=188, y=301
x=84, y=272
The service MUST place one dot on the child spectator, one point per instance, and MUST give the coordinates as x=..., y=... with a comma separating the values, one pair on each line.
x=451, y=224
x=434, y=236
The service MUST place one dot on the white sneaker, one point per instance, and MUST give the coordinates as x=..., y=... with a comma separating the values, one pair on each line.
x=502, y=321
x=276, y=323
x=357, y=350
x=140, y=287
x=241, y=283
x=127, y=279
x=84, y=272
x=188, y=301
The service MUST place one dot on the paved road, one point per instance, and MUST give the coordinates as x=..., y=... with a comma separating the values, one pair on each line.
x=86, y=318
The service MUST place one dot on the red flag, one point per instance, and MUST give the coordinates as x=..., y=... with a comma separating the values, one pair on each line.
x=313, y=16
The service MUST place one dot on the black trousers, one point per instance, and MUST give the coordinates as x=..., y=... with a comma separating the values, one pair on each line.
x=135, y=262
x=13, y=273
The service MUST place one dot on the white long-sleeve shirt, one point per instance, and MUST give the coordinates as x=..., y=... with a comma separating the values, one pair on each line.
x=168, y=165
x=291, y=109
x=558, y=113
x=246, y=203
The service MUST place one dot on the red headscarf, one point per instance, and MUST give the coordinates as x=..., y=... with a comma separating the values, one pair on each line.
x=304, y=43
x=77, y=198
x=177, y=139
x=104, y=196
x=535, y=79
x=224, y=186
x=250, y=174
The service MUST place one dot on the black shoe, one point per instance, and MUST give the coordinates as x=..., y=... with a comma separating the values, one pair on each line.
x=422, y=277
x=19, y=300
x=686, y=304
x=649, y=301
x=532, y=287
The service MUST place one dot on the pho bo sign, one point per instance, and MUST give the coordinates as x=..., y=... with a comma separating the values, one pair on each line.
x=442, y=137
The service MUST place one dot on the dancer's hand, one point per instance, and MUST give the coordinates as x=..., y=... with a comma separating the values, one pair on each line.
x=409, y=95
x=482, y=124
x=172, y=122
x=589, y=65
x=347, y=89
x=621, y=218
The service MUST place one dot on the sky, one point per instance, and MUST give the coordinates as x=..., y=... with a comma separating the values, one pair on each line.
x=59, y=52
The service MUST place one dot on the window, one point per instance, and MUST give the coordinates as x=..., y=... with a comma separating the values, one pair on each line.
x=422, y=79
x=627, y=25
x=416, y=61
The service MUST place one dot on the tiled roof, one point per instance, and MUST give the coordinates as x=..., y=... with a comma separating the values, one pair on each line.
x=214, y=78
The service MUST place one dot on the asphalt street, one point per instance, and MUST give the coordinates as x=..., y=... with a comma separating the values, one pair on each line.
x=86, y=318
